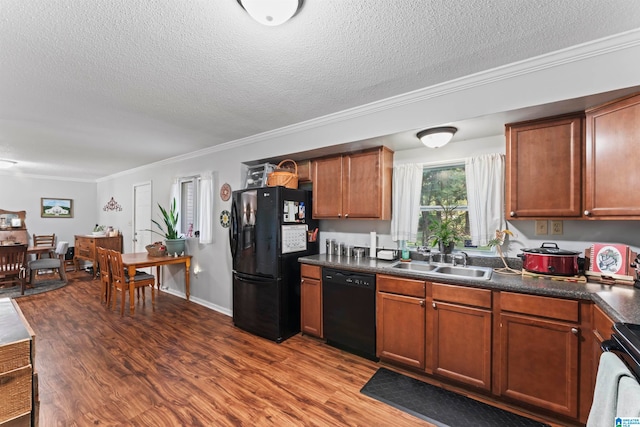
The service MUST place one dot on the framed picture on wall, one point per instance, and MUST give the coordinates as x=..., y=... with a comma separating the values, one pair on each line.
x=56, y=208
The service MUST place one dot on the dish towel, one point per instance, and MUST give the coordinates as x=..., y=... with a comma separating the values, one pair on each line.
x=611, y=370
x=628, y=398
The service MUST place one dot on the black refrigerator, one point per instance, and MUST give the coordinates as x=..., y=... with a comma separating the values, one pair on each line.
x=271, y=227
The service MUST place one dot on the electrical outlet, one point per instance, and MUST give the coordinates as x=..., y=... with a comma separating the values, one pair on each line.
x=556, y=227
x=541, y=227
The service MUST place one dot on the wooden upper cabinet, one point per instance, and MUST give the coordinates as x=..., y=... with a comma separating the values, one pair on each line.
x=613, y=135
x=304, y=171
x=355, y=185
x=327, y=187
x=544, y=168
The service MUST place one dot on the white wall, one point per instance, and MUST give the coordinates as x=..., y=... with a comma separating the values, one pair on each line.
x=18, y=192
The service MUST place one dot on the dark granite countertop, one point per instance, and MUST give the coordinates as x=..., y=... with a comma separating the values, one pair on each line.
x=621, y=303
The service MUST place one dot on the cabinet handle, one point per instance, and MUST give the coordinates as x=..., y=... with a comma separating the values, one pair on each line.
x=433, y=304
x=574, y=331
x=587, y=213
x=301, y=281
x=421, y=303
x=512, y=213
x=346, y=215
x=339, y=215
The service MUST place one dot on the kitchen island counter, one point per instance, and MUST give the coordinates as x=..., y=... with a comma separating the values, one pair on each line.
x=621, y=303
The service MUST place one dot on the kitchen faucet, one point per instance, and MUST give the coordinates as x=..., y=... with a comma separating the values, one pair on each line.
x=463, y=256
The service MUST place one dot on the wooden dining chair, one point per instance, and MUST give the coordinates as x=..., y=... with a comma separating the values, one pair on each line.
x=105, y=275
x=120, y=281
x=12, y=265
x=44, y=240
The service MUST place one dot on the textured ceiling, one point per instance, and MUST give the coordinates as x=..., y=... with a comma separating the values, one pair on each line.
x=134, y=82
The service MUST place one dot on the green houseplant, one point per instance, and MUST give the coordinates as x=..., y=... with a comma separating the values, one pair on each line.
x=173, y=241
x=446, y=231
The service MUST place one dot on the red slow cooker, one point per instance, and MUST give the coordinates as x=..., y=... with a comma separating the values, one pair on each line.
x=549, y=259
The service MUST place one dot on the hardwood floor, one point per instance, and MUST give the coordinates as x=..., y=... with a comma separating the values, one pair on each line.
x=183, y=364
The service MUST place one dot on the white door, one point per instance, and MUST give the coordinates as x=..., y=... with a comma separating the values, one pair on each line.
x=141, y=217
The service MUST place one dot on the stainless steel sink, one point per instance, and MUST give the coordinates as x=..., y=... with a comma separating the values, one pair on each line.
x=445, y=270
x=415, y=266
x=473, y=272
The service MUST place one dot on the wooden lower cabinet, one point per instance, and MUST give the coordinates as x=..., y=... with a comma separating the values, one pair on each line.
x=400, y=317
x=311, y=300
x=538, y=352
x=459, y=334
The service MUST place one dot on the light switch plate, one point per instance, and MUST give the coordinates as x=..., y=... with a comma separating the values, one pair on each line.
x=556, y=227
x=541, y=227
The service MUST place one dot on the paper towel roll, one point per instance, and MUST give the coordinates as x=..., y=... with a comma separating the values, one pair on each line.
x=373, y=245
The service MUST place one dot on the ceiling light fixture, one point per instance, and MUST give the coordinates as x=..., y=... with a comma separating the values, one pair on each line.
x=436, y=137
x=271, y=12
x=4, y=164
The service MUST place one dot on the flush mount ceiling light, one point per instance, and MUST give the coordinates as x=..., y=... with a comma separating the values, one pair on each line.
x=271, y=12
x=4, y=164
x=436, y=137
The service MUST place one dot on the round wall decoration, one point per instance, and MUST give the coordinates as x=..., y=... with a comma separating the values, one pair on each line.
x=225, y=192
x=225, y=218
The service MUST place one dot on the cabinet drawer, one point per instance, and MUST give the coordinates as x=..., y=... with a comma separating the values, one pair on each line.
x=15, y=389
x=397, y=285
x=554, y=308
x=462, y=295
x=84, y=252
x=311, y=271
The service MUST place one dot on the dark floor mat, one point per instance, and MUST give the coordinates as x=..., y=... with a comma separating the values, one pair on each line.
x=436, y=405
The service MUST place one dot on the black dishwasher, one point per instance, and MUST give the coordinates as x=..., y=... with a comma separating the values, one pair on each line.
x=349, y=311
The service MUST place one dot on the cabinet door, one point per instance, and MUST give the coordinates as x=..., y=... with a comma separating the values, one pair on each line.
x=613, y=132
x=311, y=306
x=538, y=363
x=327, y=188
x=400, y=329
x=544, y=168
x=364, y=185
x=461, y=339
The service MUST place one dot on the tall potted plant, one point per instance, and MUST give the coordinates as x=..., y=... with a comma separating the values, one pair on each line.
x=173, y=241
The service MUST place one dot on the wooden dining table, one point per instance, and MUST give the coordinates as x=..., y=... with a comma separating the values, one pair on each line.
x=136, y=260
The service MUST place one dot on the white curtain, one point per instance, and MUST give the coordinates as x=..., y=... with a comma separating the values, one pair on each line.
x=485, y=196
x=175, y=194
x=205, y=208
x=407, y=187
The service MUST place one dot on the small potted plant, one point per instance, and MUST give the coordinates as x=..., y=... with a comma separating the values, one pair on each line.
x=446, y=231
x=173, y=241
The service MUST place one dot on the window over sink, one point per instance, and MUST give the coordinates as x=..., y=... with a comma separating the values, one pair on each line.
x=444, y=194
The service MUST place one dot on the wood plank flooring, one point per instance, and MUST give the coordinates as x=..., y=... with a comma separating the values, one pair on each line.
x=183, y=364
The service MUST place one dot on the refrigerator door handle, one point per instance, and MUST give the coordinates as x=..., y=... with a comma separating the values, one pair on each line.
x=233, y=230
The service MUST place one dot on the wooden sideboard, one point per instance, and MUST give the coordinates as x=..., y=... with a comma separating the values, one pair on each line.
x=18, y=380
x=85, y=248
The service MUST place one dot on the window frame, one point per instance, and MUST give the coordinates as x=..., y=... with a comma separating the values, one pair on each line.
x=184, y=227
x=482, y=251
